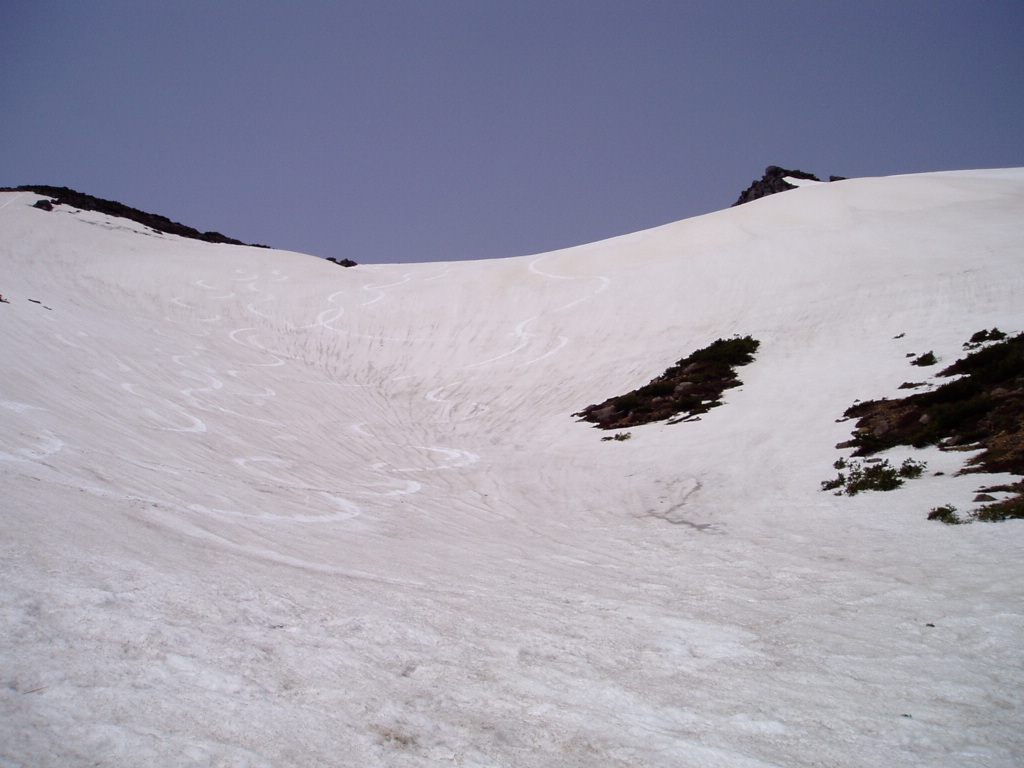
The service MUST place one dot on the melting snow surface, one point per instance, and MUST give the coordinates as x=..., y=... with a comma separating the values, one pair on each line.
x=259, y=510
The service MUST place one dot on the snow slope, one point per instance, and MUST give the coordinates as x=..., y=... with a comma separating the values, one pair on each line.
x=260, y=510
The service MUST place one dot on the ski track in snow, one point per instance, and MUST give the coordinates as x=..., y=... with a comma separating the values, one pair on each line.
x=250, y=338
x=182, y=417
x=524, y=337
x=13, y=199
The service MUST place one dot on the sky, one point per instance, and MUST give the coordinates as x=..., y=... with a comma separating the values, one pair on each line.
x=415, y=130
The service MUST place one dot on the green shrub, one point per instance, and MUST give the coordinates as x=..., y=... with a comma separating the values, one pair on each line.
x=946, y=514
x=992, y=364
x=1008, y=509
x=739, y=350
x=980, y=410
x=831, y=485
x=982, y=336
x=911, y=469
x=690, y=387
x=871, y=476
x=656, y=389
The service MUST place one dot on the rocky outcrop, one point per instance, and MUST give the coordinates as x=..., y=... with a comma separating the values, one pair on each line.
x=73, y=199
x=774, y=181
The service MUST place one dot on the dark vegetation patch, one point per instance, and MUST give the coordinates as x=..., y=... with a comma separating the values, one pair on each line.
x=871, y=475
x=947, y=514
x=983, y=336
x=981, y=410
x=73, y=199
x=1007, y=509
x=928, y=358
x=692, y=386
x=343, y=262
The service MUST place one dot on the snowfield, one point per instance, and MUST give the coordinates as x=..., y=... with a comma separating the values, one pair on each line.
x=260, y=510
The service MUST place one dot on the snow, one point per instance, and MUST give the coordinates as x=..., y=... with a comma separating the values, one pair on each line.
x=260, y=510
x=797, y=182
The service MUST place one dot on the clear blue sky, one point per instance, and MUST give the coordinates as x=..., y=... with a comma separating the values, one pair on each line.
x=412, y=130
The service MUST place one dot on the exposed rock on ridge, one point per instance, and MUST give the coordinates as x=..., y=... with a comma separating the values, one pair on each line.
x=774, y=181
x=66, y=196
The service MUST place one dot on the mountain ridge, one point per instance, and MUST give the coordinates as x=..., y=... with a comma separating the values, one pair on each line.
x=774, y=181
x=86, y=202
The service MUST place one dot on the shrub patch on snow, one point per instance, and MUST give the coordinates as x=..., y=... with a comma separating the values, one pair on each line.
x=928, y=358
x=871, y=475
x=692, y=386
x=982, y=409
x=983, y=336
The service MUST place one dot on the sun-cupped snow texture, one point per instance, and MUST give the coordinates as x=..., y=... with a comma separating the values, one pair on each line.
x=260, y=511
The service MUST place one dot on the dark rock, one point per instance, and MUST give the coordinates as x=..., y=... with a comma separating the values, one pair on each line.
x=603, y=414
x=45, y=205
x=343, y=262
x=84, y=202
x=771, y=183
